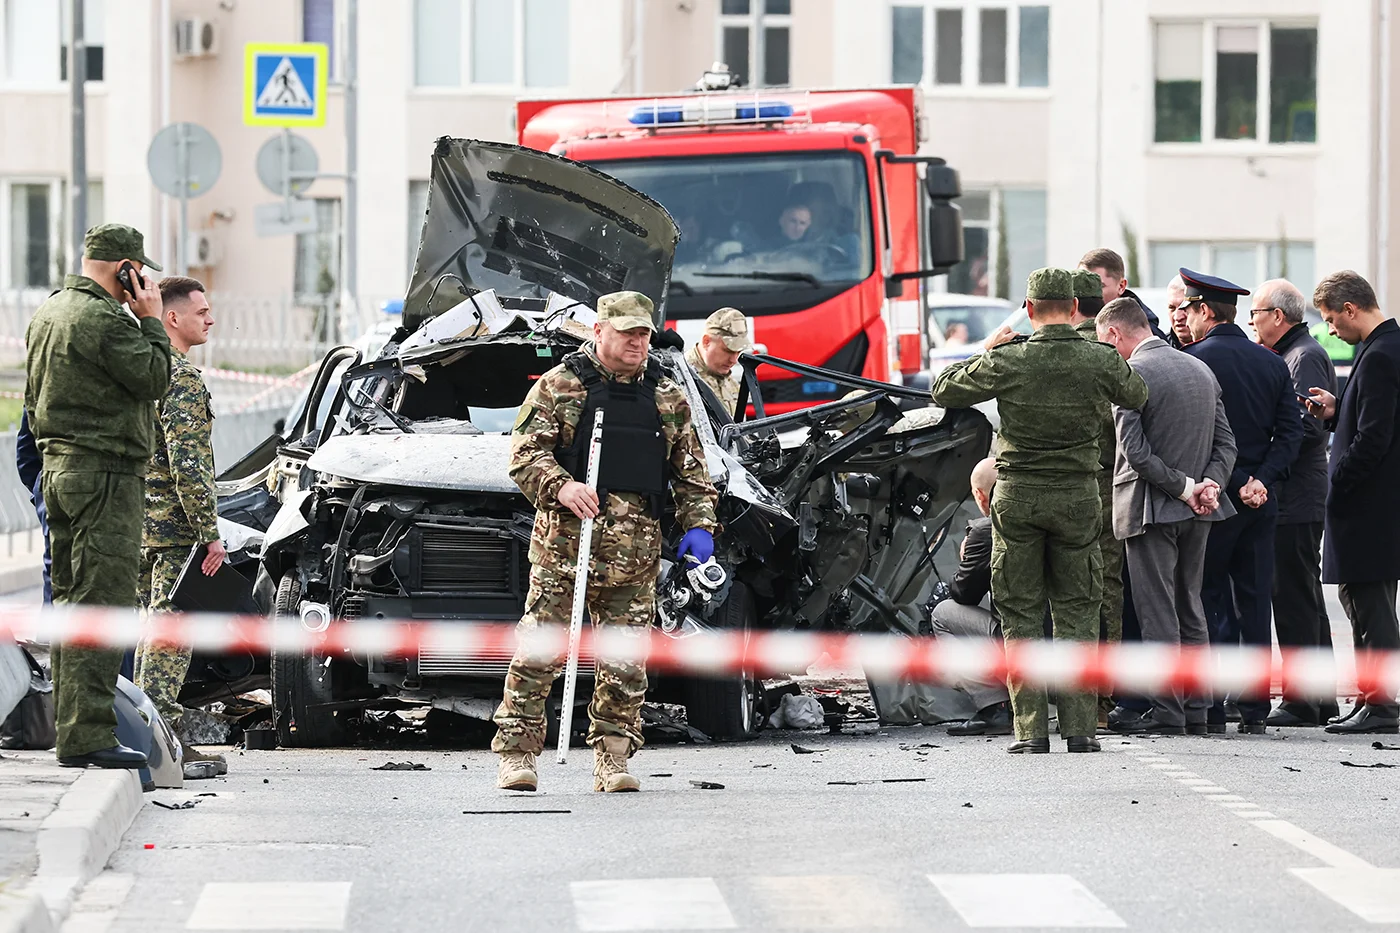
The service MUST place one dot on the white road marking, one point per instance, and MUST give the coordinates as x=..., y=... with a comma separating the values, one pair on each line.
x=1254, y=814
x=1165, y=767
x=651, y=904
x=1373, y=894
x=1319, y=849
x=1152, y=758
x=823, y=902
x=1210, y=789
x=1039, y=901
x=1232, y=800
x=271, y=905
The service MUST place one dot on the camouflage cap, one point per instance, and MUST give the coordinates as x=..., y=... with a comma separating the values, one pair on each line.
x=115, y=242
x=1049, y=284
x=1087, y=284
x=731, y=327
x=626, y=310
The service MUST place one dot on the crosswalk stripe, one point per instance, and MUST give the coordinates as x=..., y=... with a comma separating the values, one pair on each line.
x=1039, y=901
x=271, y=905
x=650, y=904
x=1373, y=894
x=824, y=902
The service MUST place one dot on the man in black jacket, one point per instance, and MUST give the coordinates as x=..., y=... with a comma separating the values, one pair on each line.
x=1362, y=544
x=1113, y=274
x=1268, y=427
x=964, y=615
x=1300, y=615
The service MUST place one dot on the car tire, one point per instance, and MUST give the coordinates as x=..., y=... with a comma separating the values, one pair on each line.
x=727, y=708
x=301, y=682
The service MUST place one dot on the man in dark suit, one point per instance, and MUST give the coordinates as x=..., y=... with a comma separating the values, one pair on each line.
x=968, y=613
x=1361, y=549
x=1268, y=427
x=1300, y=615
x=1171, y=460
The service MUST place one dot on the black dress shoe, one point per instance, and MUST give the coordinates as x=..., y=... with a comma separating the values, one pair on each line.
x=1039, y=746
x=1287, y=717
x=118, y=756
x=1083, y=743
x=1232, y=711
x=1252, y=727
x=993, y=720
x=1327, y=711
x=1121, y=714
x=1144, y=725
x=1215, y=728
x=1356, y=708
x=1370, y=721
x=1197, y=728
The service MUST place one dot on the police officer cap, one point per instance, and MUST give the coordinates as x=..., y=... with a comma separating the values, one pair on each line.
x=1087, y=284
x=115, y=242
x=1050, y=284
x=1200, y=287
x=626, y=310
x=731, y=327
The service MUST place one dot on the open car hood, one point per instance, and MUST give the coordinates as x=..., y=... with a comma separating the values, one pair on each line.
x=527, y=223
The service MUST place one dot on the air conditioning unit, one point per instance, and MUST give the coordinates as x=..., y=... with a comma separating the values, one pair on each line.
x=196, y=38
x=203, y=248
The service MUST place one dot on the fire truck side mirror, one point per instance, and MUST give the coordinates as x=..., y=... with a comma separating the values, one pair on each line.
x=945, y=232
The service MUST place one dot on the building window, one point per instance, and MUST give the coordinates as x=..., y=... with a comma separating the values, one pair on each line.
x=1261, y=84
x=510, y=43
x=1001, y=45
x=1003, y=242
x=1246, y=263
x=417, y=214
x=94, y=37
x=756, y=35
x=317, y=272
x=323, y=21
x=32, y=214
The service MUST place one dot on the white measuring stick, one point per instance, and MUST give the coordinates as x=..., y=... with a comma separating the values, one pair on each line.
x=585, y=548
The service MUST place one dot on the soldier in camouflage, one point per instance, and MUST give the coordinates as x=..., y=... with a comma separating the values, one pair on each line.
x=180, y=502
x=1050, y=390
x=1088, y=295
x=92, y=371
x=715, y=356
x=648, y=444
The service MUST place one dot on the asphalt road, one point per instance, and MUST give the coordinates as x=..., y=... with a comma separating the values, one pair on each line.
x=1228, y=832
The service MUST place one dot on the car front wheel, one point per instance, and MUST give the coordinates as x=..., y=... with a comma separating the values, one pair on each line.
x=302, y=682
x=726, y=708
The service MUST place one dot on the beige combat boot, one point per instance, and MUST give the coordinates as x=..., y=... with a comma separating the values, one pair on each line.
x=610, y=766
x=517, y=771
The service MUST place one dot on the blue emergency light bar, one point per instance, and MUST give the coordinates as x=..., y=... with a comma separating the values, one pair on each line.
x=708, y=110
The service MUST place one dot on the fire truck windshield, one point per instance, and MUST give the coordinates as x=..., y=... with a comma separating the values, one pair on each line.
x=779, y=222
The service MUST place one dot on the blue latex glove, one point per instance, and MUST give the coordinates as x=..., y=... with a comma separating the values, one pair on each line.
x=698, y=543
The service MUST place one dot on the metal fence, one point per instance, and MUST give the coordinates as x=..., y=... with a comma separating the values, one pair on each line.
x=267, y=334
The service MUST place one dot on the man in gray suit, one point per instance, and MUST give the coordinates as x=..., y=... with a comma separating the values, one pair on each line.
x=1172, y=458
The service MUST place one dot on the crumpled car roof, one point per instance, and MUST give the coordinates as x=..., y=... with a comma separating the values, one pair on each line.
x=527, y=223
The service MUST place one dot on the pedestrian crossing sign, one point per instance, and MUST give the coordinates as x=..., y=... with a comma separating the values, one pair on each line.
x=285, y=84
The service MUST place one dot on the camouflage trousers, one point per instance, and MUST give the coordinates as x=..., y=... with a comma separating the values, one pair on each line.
x=619, y=686
x=1045, y=545
x=161, y=669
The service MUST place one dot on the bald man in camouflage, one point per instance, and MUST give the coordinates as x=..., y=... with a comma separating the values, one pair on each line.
x=1046, y=515
x=649, y=449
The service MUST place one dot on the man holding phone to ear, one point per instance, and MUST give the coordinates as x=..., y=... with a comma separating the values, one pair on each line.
x=93, y=373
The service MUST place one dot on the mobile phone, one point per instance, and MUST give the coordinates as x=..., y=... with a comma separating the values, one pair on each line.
x=129, y=277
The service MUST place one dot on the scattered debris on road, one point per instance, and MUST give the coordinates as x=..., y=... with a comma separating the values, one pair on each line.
x=494, y=812
x=1379, y=764
x=401, y=766
x=664, y=723
x=1382, y=747
x=804, y=750
x=662, y=774
x=798, y=712
x=186, y=805
x=707, y=785
x=1293, y=769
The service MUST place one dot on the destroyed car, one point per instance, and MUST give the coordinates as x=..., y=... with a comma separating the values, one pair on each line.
x=392, y=498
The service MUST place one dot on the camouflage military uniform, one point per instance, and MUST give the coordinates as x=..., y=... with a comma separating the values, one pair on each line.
x=726, y=386
x=624, y=563
x=92, y=373
x=1045, y=511
x=180, y=513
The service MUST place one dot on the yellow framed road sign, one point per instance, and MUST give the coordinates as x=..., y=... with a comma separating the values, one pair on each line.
x=284, y=84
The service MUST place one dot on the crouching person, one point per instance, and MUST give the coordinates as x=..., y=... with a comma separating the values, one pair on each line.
x=648, y=446
x=964, y=615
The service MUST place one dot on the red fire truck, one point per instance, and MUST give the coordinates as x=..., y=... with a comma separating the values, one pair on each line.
x=804, y=209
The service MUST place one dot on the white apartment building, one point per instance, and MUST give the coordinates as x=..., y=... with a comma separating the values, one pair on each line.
x=1240, y=137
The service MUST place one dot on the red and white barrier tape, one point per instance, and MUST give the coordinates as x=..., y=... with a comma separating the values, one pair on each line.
x=1133, y=667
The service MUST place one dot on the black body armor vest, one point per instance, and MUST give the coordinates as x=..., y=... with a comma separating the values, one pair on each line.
x=634, y=451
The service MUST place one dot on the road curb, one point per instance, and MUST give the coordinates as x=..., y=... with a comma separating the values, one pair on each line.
x=18, y=579
x=74, y=844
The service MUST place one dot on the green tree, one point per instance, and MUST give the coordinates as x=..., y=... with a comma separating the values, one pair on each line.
x=1003, y=267
x=1130, y=253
